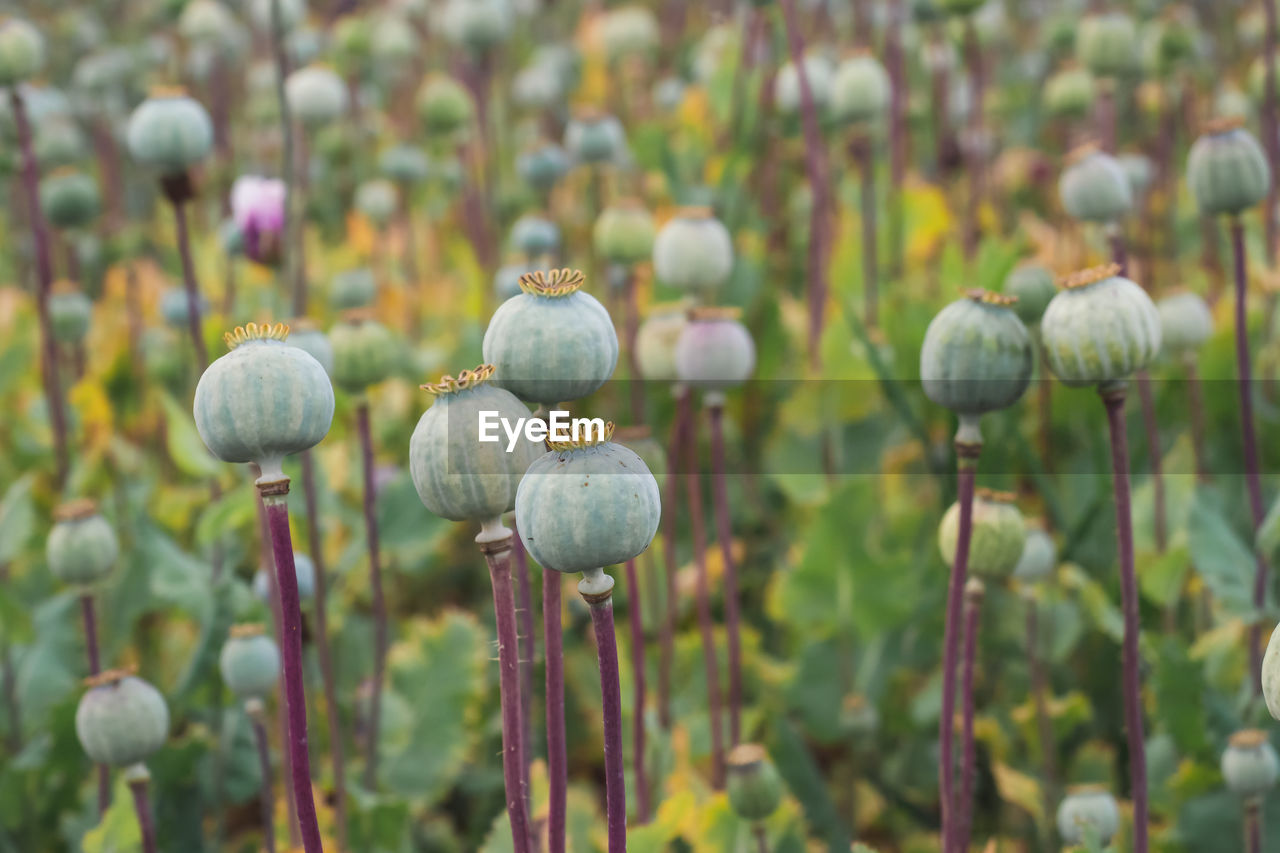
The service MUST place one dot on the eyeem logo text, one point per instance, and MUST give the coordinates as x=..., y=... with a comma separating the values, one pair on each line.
x=558, y=426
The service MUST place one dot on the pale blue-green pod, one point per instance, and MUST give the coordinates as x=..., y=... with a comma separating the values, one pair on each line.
x=754, y=785
x=977, y=355
x=999, y=535
x=174, y=306
x=1088, y=811
x=169, y=132
x=1069, y=93
x=624, y=232
x=535, y=235
x=264, y=400
x=1249, y=764
x=1227, y=169
x=629, y=31
x=206, y=22
x=592, y=137
x=656, y=341
x=444, y=105
x=1100, y=330
x=121, y=720
x=81, y=548
x=1107, y=44
x=1094, y=187
x=304, y=335
x=459, y=476
x=1271, y=674
x=506, y=281
x=786, y=85
x=69, y=313
x=477, y=25
x=1034, y=287
x=394, y=42
x=1039, y=554
x=860, y=90
x=304, y=572
x=59, y=143
x=316, y=95
x=552, y=343
x=640, y=440
x=543, y=166
x=537, y=86
x=378, y=200
x=693, y=252
x=405, y=164
x=21, y=51
x=364, y=351
x=582, y=508
x=69, y=198
x=1186, y=323
x=715, y=352
x=250, y=662
x=354, y=288
x=293, y=13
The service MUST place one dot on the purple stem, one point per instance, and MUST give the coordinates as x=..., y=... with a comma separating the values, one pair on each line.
x=1106, y=115
x=1195, y=401
x=940, y=81
x=44, y=283
x=968, y=761
x=863, y=152
x=631, y=329
x=142, y=805
x=732, y=610
x=1039, y=692
x=762, y=838
x=266, y=797
x=557, y=756
x=323, y=650
x=379, y=599
x=1245, y=379
x=498, y=555
x=615, y=783
x=636, y=622
x=899, y=143
x=670, y=503
x=976, y=145
x=1253, y=825
x=189, y=283
x=528, y=651
x=95, y=666
x=1114, y=399
x=274, y=498
x=1270, y=124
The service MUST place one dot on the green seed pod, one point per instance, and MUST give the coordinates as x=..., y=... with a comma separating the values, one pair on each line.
x=715, y=352
x=656, y=341
x=457, y=476
x=977, y=356
x=250, y=662
x=378, y=200
x=69, y=312
x=352, y=42
x=1033, y=286
x=1107, y=44
x=640, y=441
x=169, y=132
x=999, y=535
x=537, y=87
x=364, y=351
x=478, y=25
x=21, y=51
x=58, y=143
x=543, y=166
x=629, y=31
x=205, y=22
x=69, y=199
x=316, y=95
x=1039, y=554
x=174, y=307
x=587, y=504
x=1139, y=170
x=354, y=288
x=1088, y=811
x=506, y=281
x=1271, y=664
x=1227, y=169
x=82, y=547
x=1069, y=93
x=292, y=13
x=693, y=252
x=786, y=85
x=755, y=788
x=444, y=105
x=405, y=164
x=1186, y=322
x=535, y=235
x=860, y=89
x=306, y=336
x=1169, y=42
x=1100, y=329
x=263, y=400
x=554, y=342
x=593, y=137
x=395, y=43
x=625, y=233
x=121, y=720
x=1249, y=763
x=1094, y=187
x=304, y=571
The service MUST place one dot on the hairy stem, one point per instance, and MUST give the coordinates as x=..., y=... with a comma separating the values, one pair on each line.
x=379, y=599
x=636, y=623
x=732, y=608
x=968, y=757
x=557, y=756
x=615, y=783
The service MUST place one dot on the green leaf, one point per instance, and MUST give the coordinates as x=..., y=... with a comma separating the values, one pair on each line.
x=186, y=448
x=804, y=779
x=1179, y=688
x=17, y=518
x=118, y=832
x=1162, y=576
x=236, y=511
x=1220, y=556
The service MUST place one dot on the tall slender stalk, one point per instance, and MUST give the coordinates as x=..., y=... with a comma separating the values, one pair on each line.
x=495, y=543
x=724, y=533
x=179, y=193
x=275, y=499
x=973, y=593
x=1253, y=824
x=615, y=782
x=1252, y=478
x=1114, y=398
x=1195, y=401
x=899, y=143
x=762, y=838
x=44, y=284
x=636, y=622
x=288, y=162
x=632, y=328
x=557, y=756
x=528, y=651
x=1039, y=694
x=95, y=666
x=670, y=505
x=266, y=797
x=138, y=784
x=379, y=599
x=976, y=147
x=9, y=683
x=1270, y=125
x=863, y=153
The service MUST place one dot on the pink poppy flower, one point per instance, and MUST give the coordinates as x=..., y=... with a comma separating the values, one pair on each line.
x=258, y=209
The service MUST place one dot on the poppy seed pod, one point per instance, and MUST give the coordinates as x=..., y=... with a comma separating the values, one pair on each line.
x=304, y=571
x=1069, y=93
x=364, y=351
x=477, y=25
x=1271, y=670
x=755, y=788
x=444, y=105
x=640, y=440
x=624, y=233
x=1107, y=44
x=1170, y=41
x=506, y=281
x=1033, y=286
x=173, y=306
x=306, y=336
x=859, y=90
x=999, y=534
x=1186, y=322
x=378, y=200
x=1094, y=186
x=1249, y=763
x=1227, y=169
x=587, y=504
x=1088, y=811
x=593, y=137
x=405, y=164
x=534, y=235
x=69, y=313
x=693, y=252
x=786, y=85
x=169, y=132
x=121, y=720
x=21, y=51
x=352, y=42
x=250, y=662
x=1139, y=170
x=976, y=356
x=458, y=476
x=264, y=400
x=316, y=95
x=537, y=87
x=292, y=13
x=205, y=22
x=554, y=342
x=715, y=352
x=629, y=31
x=69, y=199
x=354, y=288
x=656, y=341
x=1039, y=554
x=58, y=143
x=1100, y=329
x=394, y=42
x=82, y=547
x=542, y=166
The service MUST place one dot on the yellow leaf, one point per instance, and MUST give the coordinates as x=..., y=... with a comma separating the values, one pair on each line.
x=1020, y=789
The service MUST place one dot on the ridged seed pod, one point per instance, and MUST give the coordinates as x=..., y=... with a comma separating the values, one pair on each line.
x=69, y=313
x=1100, y=329
x=121, y=720
x=1249, y=764
x=169, y=132
x=354, y=288
x=542, y=166
x=999, y=535
x=306, y=336
x=715, y=352
x=593, y=137
x=1086, y=811
x=1186, y=323
x=364, y=351
x=405, y=164
x=640, y=441
x=81, y=548
x=1039, y=554
x=1094, y=186
x=249, y=662
x=477, y=25
x=755, y=788
x=1227, y=169
x=1034, y=287
x=977, y=356
x=656, y=341
x=693, y=252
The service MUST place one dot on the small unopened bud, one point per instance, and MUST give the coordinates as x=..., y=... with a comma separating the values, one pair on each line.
x=755, y=789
